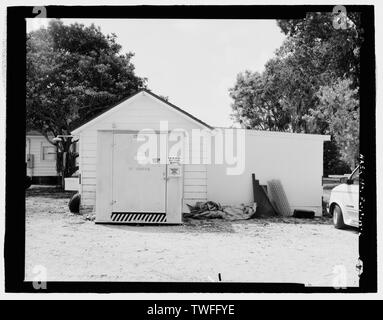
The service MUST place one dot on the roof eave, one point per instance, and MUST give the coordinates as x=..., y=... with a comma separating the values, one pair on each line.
x=78, y=130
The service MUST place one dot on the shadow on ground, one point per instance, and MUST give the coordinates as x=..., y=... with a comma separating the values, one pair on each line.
x=188, y=226
x=216, y=225
x=50, y=192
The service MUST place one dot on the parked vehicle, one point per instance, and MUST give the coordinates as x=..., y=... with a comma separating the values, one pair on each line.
x=344, y=202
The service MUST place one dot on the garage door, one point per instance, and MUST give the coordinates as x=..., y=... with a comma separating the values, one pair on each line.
x=137, y=187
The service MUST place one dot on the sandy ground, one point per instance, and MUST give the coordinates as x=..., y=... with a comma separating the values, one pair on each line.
x=72, y=248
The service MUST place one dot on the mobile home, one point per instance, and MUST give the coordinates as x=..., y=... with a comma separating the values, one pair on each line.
x=40, y=158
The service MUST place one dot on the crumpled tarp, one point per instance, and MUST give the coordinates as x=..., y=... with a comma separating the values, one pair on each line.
x=213, y=210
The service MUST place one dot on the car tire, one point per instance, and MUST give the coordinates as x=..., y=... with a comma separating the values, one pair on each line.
x=74, y=203
x=337, y=217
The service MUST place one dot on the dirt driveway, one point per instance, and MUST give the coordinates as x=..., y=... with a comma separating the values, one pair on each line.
x=273, y=250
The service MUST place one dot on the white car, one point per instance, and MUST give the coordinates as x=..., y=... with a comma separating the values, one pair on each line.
x=344, y=202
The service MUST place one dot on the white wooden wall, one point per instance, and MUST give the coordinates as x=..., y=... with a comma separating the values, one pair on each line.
x=294, y=159
x=41, y=167
x=142, y=112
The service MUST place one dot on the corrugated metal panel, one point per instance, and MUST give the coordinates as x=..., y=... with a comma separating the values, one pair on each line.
x=279, y=197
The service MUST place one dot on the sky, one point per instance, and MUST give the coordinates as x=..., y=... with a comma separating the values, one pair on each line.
x=192, y=62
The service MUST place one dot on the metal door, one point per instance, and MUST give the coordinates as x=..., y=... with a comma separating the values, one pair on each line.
x=137, y=188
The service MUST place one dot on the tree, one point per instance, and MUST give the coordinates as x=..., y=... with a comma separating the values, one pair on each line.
x=335, y=51
x=277, y=99
x=339, y=107
x=332, y=162
x=73, y=73
x=288, y=94
x=256, y=104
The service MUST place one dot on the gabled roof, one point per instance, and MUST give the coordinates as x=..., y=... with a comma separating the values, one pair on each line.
x=33, y=133
x=79, y=127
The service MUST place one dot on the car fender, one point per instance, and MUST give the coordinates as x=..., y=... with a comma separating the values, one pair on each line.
x=346, y=218
x=337, y=201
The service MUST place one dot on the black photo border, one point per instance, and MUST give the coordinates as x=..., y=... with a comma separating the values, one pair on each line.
x=14, y=242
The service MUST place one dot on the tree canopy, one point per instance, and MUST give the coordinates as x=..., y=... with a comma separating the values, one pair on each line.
x=311, y=84
x=73, y=73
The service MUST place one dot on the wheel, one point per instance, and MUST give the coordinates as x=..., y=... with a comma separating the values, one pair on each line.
x=74, y=203
x=337, y=217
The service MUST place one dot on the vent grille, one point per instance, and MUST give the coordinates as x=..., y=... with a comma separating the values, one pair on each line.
x=138, y=217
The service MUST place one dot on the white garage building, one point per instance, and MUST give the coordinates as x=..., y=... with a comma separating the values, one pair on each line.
x=144, y=159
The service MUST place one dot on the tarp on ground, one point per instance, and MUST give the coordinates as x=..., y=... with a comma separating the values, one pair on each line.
x=213, y=210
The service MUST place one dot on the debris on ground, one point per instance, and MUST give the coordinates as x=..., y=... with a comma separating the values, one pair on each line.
x=90, y=217
x=213, y=210
x=304, y=214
